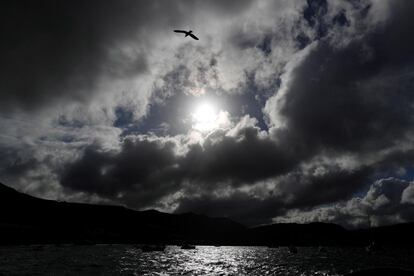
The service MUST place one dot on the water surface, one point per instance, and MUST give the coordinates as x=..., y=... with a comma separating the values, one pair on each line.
x=205, y=260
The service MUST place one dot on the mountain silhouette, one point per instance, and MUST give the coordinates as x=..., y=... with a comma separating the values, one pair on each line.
x=26, y=219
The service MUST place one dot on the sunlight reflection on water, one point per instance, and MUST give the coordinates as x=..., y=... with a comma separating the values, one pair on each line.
x=205, y=260
x=209, y=260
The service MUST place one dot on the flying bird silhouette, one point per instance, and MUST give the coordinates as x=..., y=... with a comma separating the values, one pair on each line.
x=187, y=33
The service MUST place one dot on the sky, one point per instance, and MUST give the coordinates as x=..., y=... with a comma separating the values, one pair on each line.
x=282, y=111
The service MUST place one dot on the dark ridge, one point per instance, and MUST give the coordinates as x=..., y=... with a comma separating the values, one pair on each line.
x=26, y=220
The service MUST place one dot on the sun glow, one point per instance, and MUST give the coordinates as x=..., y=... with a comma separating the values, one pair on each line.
x=206, y=118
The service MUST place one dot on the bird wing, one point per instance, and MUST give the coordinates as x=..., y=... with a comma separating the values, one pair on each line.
x=193, y=36
x=180, y=31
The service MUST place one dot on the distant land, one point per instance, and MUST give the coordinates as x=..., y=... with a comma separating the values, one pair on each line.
x=29, y=220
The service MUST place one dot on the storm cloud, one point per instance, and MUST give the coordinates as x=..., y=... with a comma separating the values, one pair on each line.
x=387, y=201
x=312, y=100
x=156, y=168
x=53, y=50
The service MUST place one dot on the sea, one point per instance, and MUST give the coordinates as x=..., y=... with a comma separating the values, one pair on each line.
x=119, y=259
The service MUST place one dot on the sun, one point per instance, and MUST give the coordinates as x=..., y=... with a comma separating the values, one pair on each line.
x=204, y=113
x=205, y=118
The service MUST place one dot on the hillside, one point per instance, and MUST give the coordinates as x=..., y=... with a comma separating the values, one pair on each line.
x=27, y=219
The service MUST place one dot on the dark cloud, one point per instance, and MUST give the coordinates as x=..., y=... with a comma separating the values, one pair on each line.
x=339, y=116
x=58, y=49
x=295, y=191
x=333, y=184
x=355, y=97
x=15, y=163
x=52, y=50
x=352, y=98
x=241, y=207
x=152, y=169
x=387, y=201
x=243, y=159
x=141, y=167
x=144, y=171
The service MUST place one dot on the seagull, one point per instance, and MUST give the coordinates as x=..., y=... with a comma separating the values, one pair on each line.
x=189, y=33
